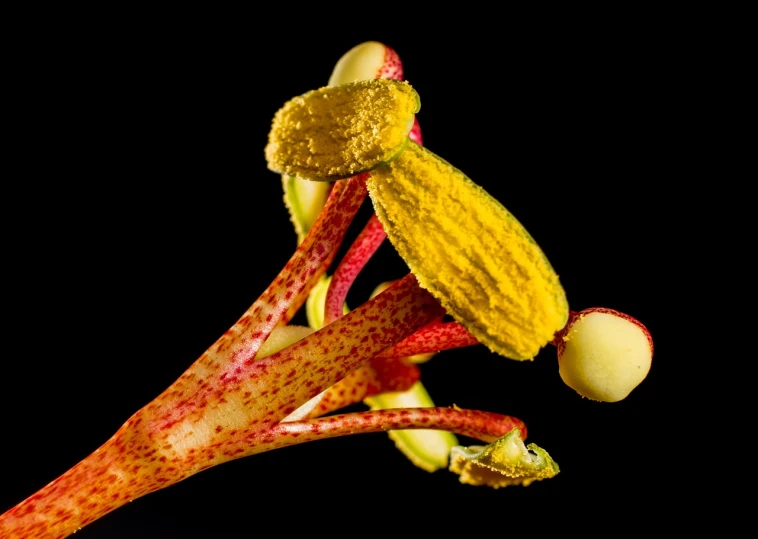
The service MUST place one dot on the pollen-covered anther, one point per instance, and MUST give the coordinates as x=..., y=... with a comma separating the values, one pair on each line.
x=337, y=132
x=469, y=252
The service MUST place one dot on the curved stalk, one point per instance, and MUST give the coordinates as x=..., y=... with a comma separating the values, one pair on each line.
x=484, y=426
x=359, y=253
x=435, y=337
x=378, y=376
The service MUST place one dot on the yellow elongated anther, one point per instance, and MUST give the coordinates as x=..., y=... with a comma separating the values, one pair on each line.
x=460, y=243
x=339, y=131
x=469, y=252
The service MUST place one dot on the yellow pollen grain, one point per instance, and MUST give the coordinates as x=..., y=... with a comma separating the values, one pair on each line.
x=469, y=252
x=339, y=131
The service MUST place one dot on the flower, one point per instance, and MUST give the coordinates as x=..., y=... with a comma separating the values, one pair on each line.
x=265, y=384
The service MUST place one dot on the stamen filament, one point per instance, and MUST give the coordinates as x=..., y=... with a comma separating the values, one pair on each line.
x=484, y=426
x=378, y=376
x=435, y=337
x=313, y=364
x=179, y=434
x=360, y=252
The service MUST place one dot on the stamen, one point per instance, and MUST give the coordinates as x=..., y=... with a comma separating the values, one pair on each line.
x=360, y=252
x=435, y=337
x=484, y=426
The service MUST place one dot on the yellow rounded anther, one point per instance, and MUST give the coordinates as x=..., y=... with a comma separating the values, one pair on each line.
x=605, y=355
x=340, y=131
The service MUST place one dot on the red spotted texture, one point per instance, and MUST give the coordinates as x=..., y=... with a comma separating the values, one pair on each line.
x=227, y=405
x=303, y=296
x=356, y=257
x=320, y=360
x=435, y=337
x=141, y=457
x=157, y=447
x=392, y=67
x=204, y=418
x=219, y=372
x=126, y=467
x=371, y=237
x=484, y=426
x=377, y=376
x=373, y=234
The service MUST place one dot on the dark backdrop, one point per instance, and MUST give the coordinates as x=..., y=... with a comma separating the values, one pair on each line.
x=145, y=222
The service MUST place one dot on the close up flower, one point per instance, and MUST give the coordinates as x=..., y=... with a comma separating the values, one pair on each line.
x=476, y=277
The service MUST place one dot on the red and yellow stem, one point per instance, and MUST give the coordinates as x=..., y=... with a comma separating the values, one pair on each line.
x=356, y=257
x=484, y=426
x=173, y=438
x=391, y=370
x=289, y=290
x=435, y=337
x=373, y=234
x=377, y=376
x=230, y=357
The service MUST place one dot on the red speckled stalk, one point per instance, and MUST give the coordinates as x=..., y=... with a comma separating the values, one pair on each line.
x=138, y=458
x=179, y=435
x=230, y=357
x=484, y=426
x=377, y=376
x=300, y=299
x=320, y=360
x=252, y=329
x=435, y=337
x=360, y=252
x=392, y=68
x=390, y=371
x=372, y=236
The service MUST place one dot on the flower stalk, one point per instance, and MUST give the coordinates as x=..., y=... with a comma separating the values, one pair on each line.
x=267, y=384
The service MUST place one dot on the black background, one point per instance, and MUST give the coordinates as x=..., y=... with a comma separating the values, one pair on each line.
x=144, y=222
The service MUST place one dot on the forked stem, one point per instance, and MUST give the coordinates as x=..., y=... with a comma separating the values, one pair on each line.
x=180, y=434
